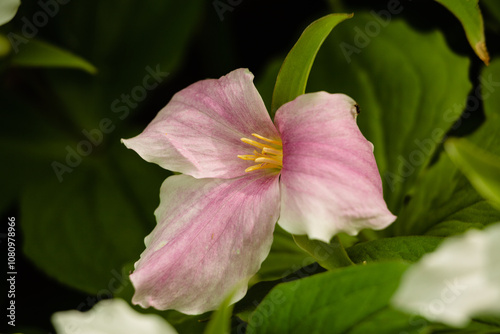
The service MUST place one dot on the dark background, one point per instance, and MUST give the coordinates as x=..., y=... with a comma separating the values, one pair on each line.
x=252, y=35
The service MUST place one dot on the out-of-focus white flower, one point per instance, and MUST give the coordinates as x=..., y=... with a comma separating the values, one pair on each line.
x=8, y=9
x=458, y=281
x=113, y=316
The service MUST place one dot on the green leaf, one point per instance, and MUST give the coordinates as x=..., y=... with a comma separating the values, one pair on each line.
x=389, y=321
x=127, y=39
x=445, y=203
x=479, y=326
x=41, y=54
x=330, y=256
x=481, y=168
x=454, y=226
x=410, y=86
x=332, y=302
x=409, y=249
x=83, y=230
x=469, y=14
x=220, y=320
x=292, y=78
x=285, y=257
x=8, y=9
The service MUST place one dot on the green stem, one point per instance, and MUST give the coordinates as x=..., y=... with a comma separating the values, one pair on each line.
x=368, y=235
x=329, y=256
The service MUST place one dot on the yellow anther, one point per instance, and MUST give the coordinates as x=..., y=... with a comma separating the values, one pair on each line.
x=253, y=143
x=268, y=161
x=247, y=157
x=271, y=151
x=275, y=142
x=271, y=156
x=261, y=166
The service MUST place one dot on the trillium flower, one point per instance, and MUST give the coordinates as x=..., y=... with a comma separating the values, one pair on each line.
x=312, y=169
x=111, y=316
x=458, y=281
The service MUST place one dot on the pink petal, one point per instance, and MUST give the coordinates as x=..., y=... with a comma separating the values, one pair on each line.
x=198, y=132
x=329, y=182
x=211, y=235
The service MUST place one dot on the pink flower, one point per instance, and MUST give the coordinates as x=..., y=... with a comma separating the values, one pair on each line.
x=312, y=171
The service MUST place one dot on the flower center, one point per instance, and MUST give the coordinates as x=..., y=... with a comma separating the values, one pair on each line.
x=270, y=156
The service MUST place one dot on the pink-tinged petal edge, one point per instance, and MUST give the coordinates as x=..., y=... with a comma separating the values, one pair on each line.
x=198, y=132
x=211, y=235
x=329, y=182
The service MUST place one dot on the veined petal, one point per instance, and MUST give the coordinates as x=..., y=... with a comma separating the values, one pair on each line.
x=111, y=316
x=458, y=281
x=211, y=235
x=199, y=131
x=329, y=182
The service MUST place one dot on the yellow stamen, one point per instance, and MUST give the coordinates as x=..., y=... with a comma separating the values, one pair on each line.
x=275, y=142
x=253, y=143
x=261, y=166
x=268, y=161
x=247, y=157
x=270, y=157
x=272, y=151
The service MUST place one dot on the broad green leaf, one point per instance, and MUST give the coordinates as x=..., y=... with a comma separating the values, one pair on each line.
x=487, y=137
x=389, y=321
x=8, y=9
x=220, y=320
x=285, y=257
x=184, y=323
x=135, y=48
x=398, y=248
x=329, y=255
x=445, y=203
x=292, y=78
x=88, y=229
x=331, y=302
x=410, y=86
x=479, y=325
x=469, y=14
x=82, y=230
x=41, y=54
x=481, y=168
x=261, y=289
x=453, y=226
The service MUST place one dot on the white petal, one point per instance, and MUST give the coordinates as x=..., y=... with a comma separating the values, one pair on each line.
x=112, y=316
x=458, y=281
